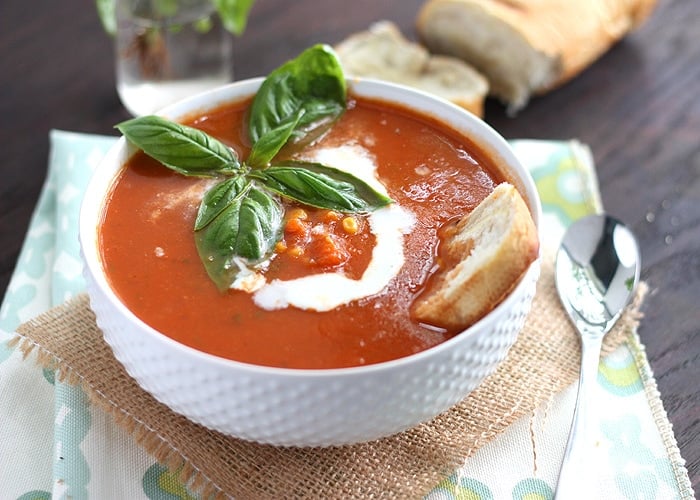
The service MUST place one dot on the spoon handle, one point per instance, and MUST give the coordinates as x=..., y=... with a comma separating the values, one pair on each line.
x=575, y=480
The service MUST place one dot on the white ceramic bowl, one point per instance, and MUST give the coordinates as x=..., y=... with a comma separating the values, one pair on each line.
x=308, y=407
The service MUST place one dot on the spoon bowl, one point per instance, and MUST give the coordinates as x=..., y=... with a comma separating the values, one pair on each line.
x=596, y=273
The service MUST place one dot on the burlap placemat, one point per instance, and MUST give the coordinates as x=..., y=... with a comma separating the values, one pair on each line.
x=543, y=361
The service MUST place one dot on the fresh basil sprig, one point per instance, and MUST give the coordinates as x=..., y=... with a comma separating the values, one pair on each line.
x=240, y=218
x=233, y=13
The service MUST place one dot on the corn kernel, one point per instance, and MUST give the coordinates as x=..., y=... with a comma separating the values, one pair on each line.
x=295, y=226
x=298, y=213
x=280, y=247
x=296, y=251
x=331, y=216
x=350, y=225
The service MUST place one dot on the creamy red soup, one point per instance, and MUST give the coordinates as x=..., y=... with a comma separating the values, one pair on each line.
x=149, y=253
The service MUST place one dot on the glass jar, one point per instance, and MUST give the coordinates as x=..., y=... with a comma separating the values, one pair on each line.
x=167, y=50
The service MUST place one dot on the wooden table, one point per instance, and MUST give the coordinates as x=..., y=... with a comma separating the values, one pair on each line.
x=638, y=108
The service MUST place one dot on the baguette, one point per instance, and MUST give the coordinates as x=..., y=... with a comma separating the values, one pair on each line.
x=383, y=53
x=481, y=258
x=527, y=47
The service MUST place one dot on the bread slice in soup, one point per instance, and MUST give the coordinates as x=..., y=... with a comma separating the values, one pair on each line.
x=482, y=256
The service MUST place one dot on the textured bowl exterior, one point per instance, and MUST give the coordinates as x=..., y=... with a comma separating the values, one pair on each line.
x=307, y=407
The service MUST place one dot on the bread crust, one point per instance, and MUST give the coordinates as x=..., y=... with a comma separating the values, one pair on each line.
x=483, y=257
x=528, y=46
x=382, y=52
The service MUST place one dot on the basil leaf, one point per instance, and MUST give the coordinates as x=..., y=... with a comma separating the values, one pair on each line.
x=267, y=146
x=218, y=198
x=234, y=14
x=260, y=222
x=321, y=186
x=184, y=149
x=312, y=82
x=247, y=229
x=106, y=12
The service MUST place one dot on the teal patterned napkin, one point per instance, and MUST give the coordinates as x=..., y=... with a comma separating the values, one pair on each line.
x=54, y=445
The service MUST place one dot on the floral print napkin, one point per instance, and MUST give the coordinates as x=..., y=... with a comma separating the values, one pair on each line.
x=53, y=444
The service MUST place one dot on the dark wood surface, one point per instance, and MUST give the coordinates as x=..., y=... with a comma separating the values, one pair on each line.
x=638, y=108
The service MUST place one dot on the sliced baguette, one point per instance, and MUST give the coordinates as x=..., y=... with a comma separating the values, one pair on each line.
x=482, y=258
x=383, y=53
x=526, y=47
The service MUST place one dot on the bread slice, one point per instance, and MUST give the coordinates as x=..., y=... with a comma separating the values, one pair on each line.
x=524, y=47
x=382, y=52
x=481, y=258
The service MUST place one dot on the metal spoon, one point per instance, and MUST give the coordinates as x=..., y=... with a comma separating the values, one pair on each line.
x=596, y=273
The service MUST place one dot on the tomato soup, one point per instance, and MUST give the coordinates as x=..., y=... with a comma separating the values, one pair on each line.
x=150, y=257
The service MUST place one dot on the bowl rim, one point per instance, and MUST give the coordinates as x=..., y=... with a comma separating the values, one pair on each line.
x=243, y=89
